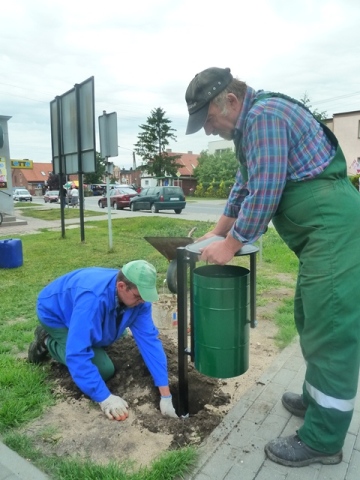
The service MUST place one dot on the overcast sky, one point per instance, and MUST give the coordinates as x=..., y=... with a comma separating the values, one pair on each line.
x=143, y=54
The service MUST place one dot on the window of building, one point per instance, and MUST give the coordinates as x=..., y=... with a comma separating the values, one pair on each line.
x=219, y=151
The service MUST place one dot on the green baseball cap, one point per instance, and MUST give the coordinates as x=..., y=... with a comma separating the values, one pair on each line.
x=205, y=86
x=143, y=275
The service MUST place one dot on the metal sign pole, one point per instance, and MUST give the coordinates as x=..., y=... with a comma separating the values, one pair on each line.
x=108, y=167
x=108, y=148
x=60, y=156
x=80, y=166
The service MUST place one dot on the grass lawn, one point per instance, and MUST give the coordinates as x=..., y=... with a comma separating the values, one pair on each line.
x=25, y=391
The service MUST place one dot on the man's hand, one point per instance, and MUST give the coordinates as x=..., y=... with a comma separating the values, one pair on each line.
x=167, y=408
x=205, y=237
x=221, y=252
x=221, y=229
x=115, y=408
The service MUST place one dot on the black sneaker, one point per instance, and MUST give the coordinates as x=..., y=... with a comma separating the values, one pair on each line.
x=294, y=404
x=37, y=350
x=292, y=452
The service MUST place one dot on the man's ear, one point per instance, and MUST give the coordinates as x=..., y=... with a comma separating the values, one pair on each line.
x=120, y=287
x=234, y=102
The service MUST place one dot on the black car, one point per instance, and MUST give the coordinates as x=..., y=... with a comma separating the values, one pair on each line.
x=159, y=198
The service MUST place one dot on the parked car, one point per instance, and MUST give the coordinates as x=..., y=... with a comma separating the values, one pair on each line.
x=97, y=192
x=22, y=195
x=159, y=198
x=52, y=196
x=119, y=198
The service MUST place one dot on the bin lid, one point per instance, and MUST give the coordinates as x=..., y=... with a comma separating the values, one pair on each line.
x=197, y=246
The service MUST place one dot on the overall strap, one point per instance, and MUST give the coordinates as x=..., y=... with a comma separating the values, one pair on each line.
x=326, y=129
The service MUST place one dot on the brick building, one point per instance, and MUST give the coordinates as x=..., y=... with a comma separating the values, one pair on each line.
x=30, y=175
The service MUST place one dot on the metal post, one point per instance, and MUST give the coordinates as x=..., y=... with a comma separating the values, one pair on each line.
x=192, y=327
x=60, y=153
x=253, y=321
x=79, y=152
x=182, y=331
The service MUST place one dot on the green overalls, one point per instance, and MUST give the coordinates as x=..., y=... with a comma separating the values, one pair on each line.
x=319, y=220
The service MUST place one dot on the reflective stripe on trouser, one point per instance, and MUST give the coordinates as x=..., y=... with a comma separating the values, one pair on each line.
x=56, y=344
x=320, y=221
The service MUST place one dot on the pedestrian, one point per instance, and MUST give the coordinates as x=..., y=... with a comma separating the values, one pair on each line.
x=74, y=195
x=292, y=172
x=68, y=197
x=88, y=309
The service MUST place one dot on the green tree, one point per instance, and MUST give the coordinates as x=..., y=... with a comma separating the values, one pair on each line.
x=320, y=116
x=152, y=143
x=53, y=181
x=216, y=167
x=98, y=175
x=223, y=190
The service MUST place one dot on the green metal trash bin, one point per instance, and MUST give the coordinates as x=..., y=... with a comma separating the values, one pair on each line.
x=221, y=313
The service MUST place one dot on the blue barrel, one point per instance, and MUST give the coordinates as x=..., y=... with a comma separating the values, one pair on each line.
x=221, y=320
x=11, y=255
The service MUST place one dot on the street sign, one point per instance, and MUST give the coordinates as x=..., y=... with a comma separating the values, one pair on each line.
x=108, y=135
x=73, y=130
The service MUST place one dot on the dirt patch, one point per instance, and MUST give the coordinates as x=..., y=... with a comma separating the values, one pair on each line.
x=76, y=426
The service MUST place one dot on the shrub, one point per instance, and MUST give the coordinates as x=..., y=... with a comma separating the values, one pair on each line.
x=354, y=179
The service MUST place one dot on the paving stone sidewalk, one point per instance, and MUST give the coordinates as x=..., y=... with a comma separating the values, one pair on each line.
x=235, y=449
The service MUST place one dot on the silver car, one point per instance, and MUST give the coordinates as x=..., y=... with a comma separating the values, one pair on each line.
x=22, y=195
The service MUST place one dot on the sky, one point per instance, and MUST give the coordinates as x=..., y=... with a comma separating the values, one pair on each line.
x=143, y=54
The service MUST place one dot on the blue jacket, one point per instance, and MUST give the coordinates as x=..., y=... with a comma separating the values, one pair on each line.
x=85, y=301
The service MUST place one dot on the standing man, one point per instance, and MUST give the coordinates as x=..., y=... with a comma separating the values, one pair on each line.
x=88, y=309
x=292, y=171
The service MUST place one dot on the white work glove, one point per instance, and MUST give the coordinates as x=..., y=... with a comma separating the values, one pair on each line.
x=167, y=408
x=115, y=408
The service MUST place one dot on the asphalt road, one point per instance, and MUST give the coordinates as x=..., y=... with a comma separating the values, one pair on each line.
x=205, y=210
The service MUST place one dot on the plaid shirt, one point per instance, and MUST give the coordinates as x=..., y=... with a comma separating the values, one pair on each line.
x=279, y=141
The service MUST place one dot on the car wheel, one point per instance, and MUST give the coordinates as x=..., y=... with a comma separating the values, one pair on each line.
x=101, y=204
x=132, y=207
x=115, y=206
x=154, y=209
x=178, y=210
x=171, y=276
